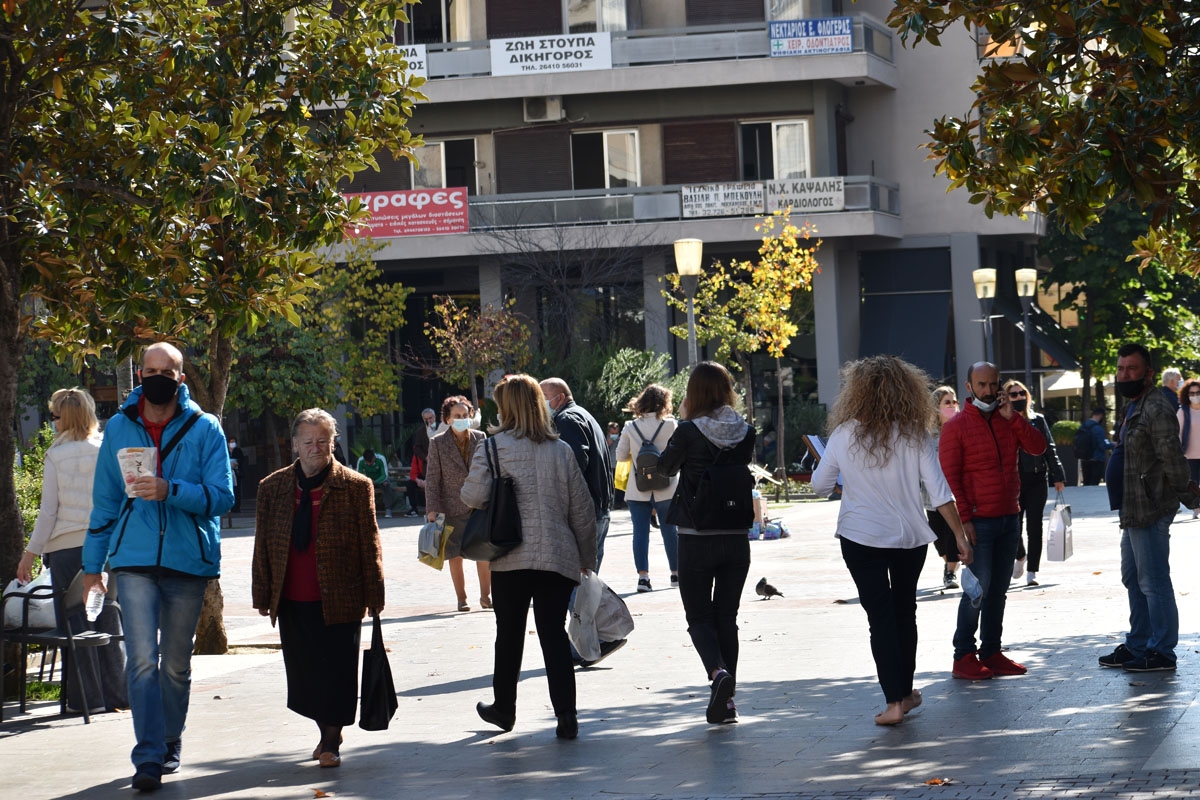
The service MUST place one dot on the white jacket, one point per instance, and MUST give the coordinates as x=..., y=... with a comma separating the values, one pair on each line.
x=631, y=443
x=62, y=520
x=558, y=517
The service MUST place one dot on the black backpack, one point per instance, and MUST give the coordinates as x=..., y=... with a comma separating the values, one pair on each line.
x=1083, y=444
x=645, y=467
x=724, y=499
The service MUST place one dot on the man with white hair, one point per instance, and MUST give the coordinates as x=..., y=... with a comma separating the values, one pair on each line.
x=1171, y=381
x=155, y=526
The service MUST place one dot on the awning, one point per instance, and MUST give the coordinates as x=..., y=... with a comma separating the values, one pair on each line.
x=1068, y=384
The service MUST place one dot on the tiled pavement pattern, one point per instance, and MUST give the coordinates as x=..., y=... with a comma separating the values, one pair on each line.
x=806, y=694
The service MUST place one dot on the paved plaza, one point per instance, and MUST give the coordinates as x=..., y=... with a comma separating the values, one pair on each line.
x=806, y=695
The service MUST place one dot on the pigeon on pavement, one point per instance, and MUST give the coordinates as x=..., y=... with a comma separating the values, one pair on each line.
x=766, y=591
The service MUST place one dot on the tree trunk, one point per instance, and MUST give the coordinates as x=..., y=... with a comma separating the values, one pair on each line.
x=12, y=531
x=210, y=632
x=744, y=363
x=474, y=384
x=124, y=379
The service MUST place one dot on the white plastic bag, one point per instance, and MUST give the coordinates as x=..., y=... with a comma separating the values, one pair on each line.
x=1060, y=544
x=613, y=620
x=581, y=629
x=41, y=609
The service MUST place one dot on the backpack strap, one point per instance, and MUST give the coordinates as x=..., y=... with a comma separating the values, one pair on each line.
x=187, y=426
x=659, y=428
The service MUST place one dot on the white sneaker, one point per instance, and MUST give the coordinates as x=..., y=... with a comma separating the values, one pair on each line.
x=1018, y=568
x=1031, y=579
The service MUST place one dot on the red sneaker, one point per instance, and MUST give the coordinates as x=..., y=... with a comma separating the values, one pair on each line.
x=1001, y=664
x=968, y=668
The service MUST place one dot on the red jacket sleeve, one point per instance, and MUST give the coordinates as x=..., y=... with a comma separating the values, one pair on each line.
x=950, y=454
x=1032, y=440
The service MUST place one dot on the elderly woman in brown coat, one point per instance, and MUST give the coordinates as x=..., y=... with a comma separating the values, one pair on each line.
x=558, y=542
x=317, y=569
x=450, y=455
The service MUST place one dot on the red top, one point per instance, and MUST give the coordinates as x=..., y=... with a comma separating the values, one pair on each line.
x=300, y=581
x=155, y=429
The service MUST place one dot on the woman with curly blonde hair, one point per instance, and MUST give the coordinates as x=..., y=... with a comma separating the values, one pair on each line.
x=881, y=442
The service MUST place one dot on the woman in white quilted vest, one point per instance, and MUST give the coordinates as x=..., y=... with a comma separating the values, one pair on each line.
x=652, y=492
x=58, y=538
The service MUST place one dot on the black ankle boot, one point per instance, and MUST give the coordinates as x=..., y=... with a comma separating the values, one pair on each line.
x=568, y=727
x=489, y=714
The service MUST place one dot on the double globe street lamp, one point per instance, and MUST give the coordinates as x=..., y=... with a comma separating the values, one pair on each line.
x=688, y=254
x=985, y=290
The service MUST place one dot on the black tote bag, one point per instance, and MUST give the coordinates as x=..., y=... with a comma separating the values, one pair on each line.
x=378, y=693
x=491, y=532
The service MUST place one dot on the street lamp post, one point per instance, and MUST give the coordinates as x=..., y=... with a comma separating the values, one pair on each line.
x=985, y=290
x=688, y=253
x=1026, y=289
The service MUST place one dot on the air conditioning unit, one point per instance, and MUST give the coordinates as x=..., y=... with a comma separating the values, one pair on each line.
x=544, y=109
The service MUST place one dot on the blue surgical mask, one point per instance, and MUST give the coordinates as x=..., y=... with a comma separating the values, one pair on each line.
x=460, y=425
x=549, y=408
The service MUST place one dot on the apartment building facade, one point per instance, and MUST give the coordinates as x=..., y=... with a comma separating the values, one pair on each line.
x=572, y=141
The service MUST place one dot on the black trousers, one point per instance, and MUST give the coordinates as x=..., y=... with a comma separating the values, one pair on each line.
x=1034, y=492
x=887, y=587
x=1093, y=472
x=512, y=591
x=712, y=573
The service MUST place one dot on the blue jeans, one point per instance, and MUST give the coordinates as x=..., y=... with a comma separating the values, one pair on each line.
x=712, y=573
x=639, y=514
x=996, y=540
x=160, y=614
x=1146, y=573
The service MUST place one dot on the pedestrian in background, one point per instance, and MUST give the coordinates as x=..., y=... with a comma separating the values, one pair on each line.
x=1189, y=429
x=945, y=400
x=1036, y=473
x=317, y=570
x=881, y=438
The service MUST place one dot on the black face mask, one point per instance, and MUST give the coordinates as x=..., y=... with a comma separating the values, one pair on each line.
x=1131, y=389
x=1020, y=405
x=159, y=389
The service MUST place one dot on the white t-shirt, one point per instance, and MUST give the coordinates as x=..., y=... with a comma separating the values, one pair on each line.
x=881, y=503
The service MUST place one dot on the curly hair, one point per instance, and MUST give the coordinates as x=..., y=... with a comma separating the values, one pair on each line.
x=1183, y=390
x=450, y=402
x=884, y=394
x=654, y=399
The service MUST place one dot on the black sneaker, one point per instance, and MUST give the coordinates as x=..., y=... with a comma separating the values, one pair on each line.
x=674, y=580
x=1117, y=658
x=1152, y=661
x=722, y=691
x=730, y=714
x=948, y=580
x=148, y=777
x=173, y=757
x=644, y=585
x=606, y=650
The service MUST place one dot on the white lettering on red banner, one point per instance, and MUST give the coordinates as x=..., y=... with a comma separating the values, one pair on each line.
x=414, y=212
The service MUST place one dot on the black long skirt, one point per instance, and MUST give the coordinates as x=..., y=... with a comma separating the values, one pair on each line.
x=321, y=663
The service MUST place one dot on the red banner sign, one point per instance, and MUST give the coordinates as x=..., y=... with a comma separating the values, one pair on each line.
x=416, y=212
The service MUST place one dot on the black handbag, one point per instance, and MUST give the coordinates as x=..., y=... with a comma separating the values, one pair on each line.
x=378, y=693
x=491, y=532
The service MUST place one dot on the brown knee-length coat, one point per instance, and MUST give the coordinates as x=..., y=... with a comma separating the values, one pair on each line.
x=349, y=559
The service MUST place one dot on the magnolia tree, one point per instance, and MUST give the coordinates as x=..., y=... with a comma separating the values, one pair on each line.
x=170, y=170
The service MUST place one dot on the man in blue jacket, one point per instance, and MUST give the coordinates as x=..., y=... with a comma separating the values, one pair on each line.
x=159, y=534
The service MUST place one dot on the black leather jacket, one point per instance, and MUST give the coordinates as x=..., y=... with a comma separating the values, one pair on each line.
x=1047, y=463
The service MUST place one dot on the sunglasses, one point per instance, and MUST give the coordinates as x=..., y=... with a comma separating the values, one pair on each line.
x=1017, y=393
x=55, y=417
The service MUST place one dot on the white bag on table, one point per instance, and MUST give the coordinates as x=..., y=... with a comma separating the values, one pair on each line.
x=1059, y=543
x=41, y=609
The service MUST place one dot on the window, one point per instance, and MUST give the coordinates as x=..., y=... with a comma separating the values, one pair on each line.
x=435, y=21
x=605, y=160
x=775, y=150
x=442, y=164
x=588, y=16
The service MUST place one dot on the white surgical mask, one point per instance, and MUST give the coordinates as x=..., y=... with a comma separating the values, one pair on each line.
x=986, y=408
x=460, y=425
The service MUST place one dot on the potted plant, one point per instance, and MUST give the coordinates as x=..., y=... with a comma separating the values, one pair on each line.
x=1063, y=433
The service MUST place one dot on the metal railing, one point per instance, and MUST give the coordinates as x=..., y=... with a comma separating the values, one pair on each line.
x=637, y=204
x=662, y=46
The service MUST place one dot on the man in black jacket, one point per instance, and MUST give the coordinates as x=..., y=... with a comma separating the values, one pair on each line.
x=579, y=429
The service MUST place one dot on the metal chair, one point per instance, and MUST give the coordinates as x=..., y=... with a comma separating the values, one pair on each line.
x=61, y=637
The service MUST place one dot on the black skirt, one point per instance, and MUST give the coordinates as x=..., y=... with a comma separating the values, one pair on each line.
x=321, y=663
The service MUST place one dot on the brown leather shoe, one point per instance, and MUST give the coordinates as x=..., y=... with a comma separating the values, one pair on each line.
x=330, y=760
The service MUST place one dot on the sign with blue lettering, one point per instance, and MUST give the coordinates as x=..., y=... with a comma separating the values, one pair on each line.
x=812, y=37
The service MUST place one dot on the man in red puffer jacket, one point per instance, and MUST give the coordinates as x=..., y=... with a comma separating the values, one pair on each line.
x=978, y=450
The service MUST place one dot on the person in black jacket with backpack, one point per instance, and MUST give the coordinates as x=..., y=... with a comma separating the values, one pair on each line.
x=713, y=508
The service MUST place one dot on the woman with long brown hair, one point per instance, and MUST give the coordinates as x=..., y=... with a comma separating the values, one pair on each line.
x=880, y=441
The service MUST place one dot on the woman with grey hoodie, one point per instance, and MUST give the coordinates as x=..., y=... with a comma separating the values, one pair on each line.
x=714, y=552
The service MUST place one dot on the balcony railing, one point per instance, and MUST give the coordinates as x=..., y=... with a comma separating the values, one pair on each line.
x=663, y=46
x=641, y=204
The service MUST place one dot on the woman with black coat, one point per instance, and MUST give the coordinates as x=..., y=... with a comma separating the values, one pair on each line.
x=1037, y=473
x=714, y=550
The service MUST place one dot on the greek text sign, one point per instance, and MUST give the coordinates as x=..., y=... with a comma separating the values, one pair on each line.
x=540, y=54
x=807, y=195
x=722, y=199
x=418, y=212
x=812, y=37
x=414, y=54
